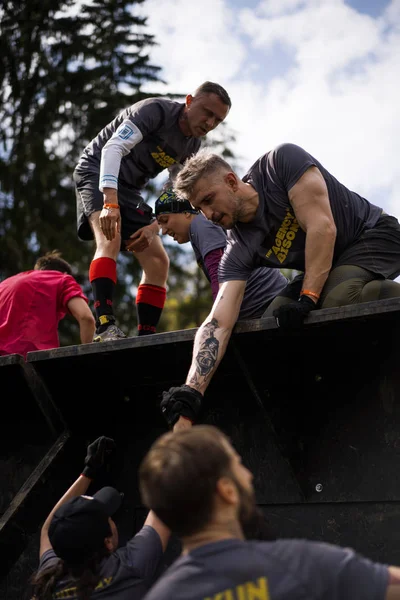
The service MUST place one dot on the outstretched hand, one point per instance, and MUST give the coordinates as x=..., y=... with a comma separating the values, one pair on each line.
x=98, y=453
x=110, y=222
x=141, y=239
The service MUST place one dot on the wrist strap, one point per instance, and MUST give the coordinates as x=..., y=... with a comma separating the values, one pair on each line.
x=87, y=477
x=110, y=205
x=187, y=419
x=309, y=293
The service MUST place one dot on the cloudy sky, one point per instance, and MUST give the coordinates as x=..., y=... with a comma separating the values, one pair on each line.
x=324, y=74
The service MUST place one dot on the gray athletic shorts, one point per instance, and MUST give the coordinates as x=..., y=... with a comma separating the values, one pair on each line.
x=135, y=213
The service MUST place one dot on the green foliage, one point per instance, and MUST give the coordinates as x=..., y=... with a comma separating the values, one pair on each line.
x=68, y=69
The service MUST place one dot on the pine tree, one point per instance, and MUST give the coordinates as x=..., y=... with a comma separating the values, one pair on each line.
x=67, y=69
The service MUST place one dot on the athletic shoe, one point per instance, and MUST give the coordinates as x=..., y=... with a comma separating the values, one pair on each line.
x=109, y=335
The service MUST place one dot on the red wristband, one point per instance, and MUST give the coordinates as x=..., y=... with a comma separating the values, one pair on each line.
x=110, y=205
x=309, y=293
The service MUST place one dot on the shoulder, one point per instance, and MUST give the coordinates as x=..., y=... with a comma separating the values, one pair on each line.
x=175, y=581
x=142, y=551
x=13, y=279
x=200, y=224
x=285, y=152
x=156, y=103
x=322, y=566
x=302, y=556
x=67, y=280
x=48, y=559
x=286, y=147
x=147, y=537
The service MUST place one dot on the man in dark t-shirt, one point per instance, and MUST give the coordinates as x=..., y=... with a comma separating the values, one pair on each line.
x=195, y=482
x=79, y=542
x=143, y=140
x=288, y=211
x=178, y=219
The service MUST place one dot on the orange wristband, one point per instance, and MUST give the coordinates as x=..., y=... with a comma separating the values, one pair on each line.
x=309, y=293
x=110, y=205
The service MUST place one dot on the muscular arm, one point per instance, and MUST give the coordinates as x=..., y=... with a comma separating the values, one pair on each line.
x=80, y=310
x=213, y=336
x=310, y=200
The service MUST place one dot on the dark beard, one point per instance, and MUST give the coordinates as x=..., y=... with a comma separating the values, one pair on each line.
x=251, y=517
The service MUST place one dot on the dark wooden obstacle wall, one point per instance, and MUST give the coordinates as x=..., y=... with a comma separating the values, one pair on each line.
x=315, y=415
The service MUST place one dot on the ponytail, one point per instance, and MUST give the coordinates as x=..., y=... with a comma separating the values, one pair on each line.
x=84, y=577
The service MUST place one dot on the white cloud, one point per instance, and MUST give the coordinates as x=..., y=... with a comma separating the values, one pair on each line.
x=195, y=43
x=338, y=98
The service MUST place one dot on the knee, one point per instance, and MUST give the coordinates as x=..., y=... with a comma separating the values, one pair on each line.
x=380, y=289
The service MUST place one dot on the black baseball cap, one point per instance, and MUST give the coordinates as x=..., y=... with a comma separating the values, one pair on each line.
x=79, y=526
x=169, y=203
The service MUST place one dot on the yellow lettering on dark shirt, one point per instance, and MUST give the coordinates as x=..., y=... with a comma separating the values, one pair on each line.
x=250, y=590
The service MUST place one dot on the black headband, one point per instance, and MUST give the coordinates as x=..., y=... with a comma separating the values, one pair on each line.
x=169, y=203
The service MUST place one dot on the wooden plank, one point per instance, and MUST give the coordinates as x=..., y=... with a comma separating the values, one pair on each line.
x=341, y=314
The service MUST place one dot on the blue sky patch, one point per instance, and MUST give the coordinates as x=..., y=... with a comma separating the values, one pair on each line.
x=374, y=8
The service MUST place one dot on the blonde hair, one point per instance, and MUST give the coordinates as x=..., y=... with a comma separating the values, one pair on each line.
x=200, y=165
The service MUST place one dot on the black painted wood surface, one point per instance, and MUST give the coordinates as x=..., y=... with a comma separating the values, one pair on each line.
x=315, y=415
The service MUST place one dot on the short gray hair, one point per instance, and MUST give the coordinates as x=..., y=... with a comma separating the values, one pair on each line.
x=199, y=165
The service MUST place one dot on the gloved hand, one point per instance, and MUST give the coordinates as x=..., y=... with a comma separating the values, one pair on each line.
x=182, y=401
x=97, y=455
x=291, y=316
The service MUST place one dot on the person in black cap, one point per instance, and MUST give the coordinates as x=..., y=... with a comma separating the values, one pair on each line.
x=183, y=223
x=79, y=554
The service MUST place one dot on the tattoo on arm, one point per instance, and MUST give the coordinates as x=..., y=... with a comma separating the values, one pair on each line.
x=207, y=354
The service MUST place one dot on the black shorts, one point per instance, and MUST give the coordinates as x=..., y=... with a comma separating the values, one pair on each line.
x=377, y=250
x=135, y=213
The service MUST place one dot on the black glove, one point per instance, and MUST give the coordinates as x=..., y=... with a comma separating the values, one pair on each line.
x=291, y=316
x=97, y=455
x=182, y=401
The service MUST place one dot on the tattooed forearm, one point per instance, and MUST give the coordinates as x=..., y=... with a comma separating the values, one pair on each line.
x=206, y=354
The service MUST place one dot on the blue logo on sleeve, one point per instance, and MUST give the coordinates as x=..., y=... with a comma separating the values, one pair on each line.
x=125, y=132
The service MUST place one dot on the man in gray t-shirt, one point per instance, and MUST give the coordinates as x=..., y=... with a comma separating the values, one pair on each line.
x=143, y=140
x=195, y=482
x=178, y=219
x=288, y=211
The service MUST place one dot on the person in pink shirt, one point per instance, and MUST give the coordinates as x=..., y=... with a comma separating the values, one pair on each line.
x=32, y=304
